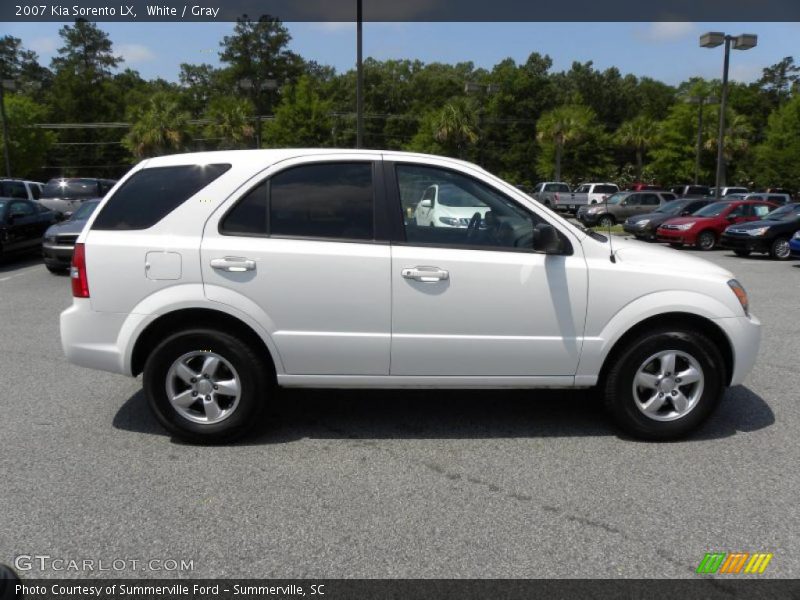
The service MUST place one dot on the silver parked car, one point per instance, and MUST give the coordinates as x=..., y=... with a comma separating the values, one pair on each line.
x=622, y=205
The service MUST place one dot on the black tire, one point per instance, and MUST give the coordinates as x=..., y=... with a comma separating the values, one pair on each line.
x=618, y=389
x=606, y=221
x=56, y=270
x=742, y=253
x=8, y=583
x=779, y=249
x=706, y=240
x=255, y=371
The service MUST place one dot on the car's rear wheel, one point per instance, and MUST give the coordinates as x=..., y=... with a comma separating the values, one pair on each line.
x=706, y=240
x=205, y=385
x=664, y=384
x=742, y=253
x=779, y=250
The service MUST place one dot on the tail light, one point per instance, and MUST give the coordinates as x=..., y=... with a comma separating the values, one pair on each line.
x=80, y=283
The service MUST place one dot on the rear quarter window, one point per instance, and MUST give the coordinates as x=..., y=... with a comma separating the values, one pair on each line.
x=151, y=194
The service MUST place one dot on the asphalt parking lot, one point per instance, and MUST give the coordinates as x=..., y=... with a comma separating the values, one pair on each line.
x=388, y=484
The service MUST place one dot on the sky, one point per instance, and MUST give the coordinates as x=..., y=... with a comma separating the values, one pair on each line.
x=665, y=51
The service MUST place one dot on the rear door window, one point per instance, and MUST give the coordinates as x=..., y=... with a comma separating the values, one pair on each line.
x=151, y=194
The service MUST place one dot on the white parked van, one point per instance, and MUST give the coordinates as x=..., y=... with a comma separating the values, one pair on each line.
x=220, y=275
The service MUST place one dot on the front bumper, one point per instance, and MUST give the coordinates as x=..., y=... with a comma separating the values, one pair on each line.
x=588, y=218
x=57, y=256
x=794, y=246
x=675, y=236
x=638, y=230
x=744, y=334
x=744, y=242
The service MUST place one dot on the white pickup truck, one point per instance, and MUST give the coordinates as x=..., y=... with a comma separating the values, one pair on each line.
x=584, y=194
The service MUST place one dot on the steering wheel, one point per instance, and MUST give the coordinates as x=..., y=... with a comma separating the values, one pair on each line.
x=474, y=226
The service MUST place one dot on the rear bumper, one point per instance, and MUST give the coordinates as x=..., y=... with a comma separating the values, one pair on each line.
x=744, y=243
x=745, y=336
x=95, y=339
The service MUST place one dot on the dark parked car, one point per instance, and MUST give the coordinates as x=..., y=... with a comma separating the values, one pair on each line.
x=22, y=224
x=621, y=205
x=690, y=190
x=771, y=235
x=644, y=226
x=64, y=196
x=59, y=239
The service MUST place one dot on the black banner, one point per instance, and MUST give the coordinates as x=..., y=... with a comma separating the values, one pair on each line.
x=405, y=589
x=408, y=10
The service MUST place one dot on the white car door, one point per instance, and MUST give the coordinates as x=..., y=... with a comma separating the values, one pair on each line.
x=296, y=249
x=480, y=301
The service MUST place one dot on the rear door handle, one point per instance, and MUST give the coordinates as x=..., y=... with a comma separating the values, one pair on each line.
x=233, y=264
x=425, y=274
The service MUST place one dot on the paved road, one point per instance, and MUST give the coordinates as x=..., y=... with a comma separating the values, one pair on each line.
x=377, y=484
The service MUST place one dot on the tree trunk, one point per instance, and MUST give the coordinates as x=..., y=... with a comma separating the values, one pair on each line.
x=559, y=146
x=638, y=164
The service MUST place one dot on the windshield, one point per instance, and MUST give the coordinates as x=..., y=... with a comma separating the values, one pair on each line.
x=790, y=212
x=672, y=208
x=86, y=209
x=616, y=198
x=712, y=210
x=450, y=195
x=70, y=188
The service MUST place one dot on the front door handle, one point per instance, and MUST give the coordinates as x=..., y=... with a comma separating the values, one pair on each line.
x=233, y=264
x=425, y=274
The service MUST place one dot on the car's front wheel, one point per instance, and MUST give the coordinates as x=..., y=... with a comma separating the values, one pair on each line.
x=205, y=385
x=606, y=221
x=664, y=384
x=779, y=250
x=706, y=240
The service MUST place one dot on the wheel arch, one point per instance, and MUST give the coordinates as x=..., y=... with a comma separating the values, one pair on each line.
x=683, y=320
x=193, y=317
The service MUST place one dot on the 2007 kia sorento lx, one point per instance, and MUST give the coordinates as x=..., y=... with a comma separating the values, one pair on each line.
x=220, y=275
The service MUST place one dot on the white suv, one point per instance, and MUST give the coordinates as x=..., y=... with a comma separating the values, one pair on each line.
x=220, y=275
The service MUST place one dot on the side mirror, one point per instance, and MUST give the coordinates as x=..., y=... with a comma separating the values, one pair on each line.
x=545, y=239
x=426, y=203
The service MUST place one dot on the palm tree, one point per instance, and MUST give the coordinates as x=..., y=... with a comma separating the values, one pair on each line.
x=736, y=140
x=456, y=125
x=638, y=133
x=160, y=127
x=230, y=122
x=562, y=126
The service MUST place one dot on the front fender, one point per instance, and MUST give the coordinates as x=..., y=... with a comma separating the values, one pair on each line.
x=596, y=348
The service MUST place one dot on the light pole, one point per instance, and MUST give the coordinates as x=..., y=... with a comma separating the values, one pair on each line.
x=471, y=87
x=10, y=84
x=256, y=87
x=359, y=76
x=743, y=41
x=700, y=101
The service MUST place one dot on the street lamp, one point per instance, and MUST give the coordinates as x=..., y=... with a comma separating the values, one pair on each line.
x=255, y=87
x=700, y=101
x=5, y=84
x=743, y=41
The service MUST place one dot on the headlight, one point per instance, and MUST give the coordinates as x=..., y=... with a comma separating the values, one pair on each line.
x=594, y=209
x=796, y=235
x=758, y=231
x=741, y=294
x=452, y=221
x=684, y=226
x=642, y=223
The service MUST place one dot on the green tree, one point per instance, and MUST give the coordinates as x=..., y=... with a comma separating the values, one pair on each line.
x=230, y=122
x=21, y=65
x=779, y=80
x=28, y=145
x=638, y=134
x=778, y=157
x=736, y=142
x=302, y=119
x=455, y=126
x=159, y=127
x=87, y=51
x=558, y=128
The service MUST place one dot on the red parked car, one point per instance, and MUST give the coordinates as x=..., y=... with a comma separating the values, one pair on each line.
x=703, y=228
